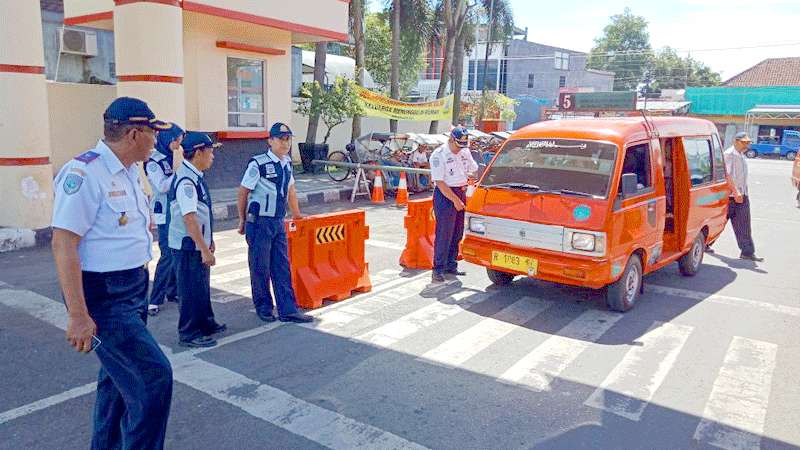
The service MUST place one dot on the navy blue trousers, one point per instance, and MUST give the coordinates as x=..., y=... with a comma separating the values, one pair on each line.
x=164, y=283
x=134, y=386
x=194, y=289
x=268, y=256
x=449, y=231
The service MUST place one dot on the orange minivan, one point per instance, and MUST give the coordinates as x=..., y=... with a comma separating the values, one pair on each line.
x=599, y=203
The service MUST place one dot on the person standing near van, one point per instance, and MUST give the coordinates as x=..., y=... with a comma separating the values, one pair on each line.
x=160, y=173
x=739, y=212
x=191, y=237
x=450, y=166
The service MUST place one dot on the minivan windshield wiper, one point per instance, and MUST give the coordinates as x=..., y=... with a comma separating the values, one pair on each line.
x=539, y=190
x=522, y=186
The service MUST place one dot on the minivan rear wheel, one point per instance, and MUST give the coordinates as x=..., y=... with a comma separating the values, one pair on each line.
x=791, y=156
x=623, y=294
x=690, y=263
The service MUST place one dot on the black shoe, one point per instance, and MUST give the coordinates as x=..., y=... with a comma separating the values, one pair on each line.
x=173, y=299
x=199, y=342
x=296, y=318
x=437, y=278
x=456, y=272
x=753, y=258
x=152, y=310
x=266, y=317
x=710, y=250
x=218, y=328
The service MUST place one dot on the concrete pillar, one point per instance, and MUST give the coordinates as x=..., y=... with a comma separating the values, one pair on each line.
x=26, y=174
x=148, y=39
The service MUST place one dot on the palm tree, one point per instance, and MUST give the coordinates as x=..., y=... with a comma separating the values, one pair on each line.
x=357, y=27
x=410, y=24
x=453, y=14
x=499, y=27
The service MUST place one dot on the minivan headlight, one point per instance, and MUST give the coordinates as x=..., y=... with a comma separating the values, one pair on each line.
x=477, y=225
x=584, y=242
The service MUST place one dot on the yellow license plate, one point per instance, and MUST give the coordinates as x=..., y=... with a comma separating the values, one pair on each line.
x=515, y=262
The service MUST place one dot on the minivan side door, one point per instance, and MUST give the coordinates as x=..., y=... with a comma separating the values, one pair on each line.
x=708, y=190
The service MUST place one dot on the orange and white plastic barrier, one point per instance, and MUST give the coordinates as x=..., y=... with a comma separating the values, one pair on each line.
x=402, y=191
x=327, y=256
x=420, y=227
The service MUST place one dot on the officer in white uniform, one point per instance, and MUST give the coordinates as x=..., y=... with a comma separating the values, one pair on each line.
x=190, y=221
x=160, y=173
x=101, y=245
x=451, y=164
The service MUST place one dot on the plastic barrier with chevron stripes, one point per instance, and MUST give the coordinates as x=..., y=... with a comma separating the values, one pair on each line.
x=327, y=256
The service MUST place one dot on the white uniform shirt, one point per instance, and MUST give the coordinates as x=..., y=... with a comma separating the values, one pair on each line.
x=102, y=201
x=160, y=182
x=452, y=168
x=736, y=165
x=419, y=157
x=186, y=192
x=251, y=175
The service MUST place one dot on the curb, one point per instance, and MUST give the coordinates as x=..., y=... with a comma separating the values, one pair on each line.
x=12, y=239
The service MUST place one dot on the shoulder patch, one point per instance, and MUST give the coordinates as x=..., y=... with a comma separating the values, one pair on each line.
x=435, y=161
x=87, y=157
x=152, y=166
x=188, y=190
x=252, y=172
x=72, y=183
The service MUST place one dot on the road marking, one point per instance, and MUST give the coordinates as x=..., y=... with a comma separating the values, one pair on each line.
x=628, y=389
x=45, y=403
x=283, y=410
x=229, y=277
x=723, y=299
x=384, y=244
x=265, y=402
x=537, y=369
x=392, y=332
x=228, y=261
x=480, y=336
x=737, y=407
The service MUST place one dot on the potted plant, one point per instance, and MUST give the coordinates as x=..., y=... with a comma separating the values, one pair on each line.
x=334, y=106
x=498, y=111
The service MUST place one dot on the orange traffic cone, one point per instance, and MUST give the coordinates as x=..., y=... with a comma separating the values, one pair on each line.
x=402, y=191
x=377, y=189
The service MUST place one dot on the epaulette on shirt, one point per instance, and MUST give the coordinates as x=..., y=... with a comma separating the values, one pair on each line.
x=87, y=157
x=261, y=159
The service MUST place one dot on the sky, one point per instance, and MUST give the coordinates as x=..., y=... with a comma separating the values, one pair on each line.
x=696, y=27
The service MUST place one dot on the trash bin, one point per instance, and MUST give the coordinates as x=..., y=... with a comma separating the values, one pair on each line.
x=310, y=152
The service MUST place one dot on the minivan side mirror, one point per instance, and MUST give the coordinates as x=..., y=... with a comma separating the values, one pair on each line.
x=629, y=185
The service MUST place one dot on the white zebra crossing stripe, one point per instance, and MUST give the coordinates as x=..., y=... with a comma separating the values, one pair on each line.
x=724, y=300
x=281, y=409
x=628, y=389
x=737, y=407
x=384, y=244
x=479, y=337
x=538, y=368
x=227, y=261
x=265, y=402
x=392, y=332
x=229, y=277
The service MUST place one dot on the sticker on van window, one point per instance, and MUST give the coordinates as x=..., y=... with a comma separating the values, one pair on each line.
x=582, y=213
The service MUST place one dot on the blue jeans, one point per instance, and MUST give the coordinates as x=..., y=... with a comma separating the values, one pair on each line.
x=268, y=256
x=194, y=289
x=134, y=386
x=164, y=283
x=449, y=231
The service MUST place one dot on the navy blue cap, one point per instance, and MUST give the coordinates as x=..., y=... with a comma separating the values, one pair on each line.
x=280, y=130
x=132, y=111
x=195, y=140
x=461, y=136
x=742, y=136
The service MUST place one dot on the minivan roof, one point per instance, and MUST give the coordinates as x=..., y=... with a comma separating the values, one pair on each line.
x=618, y=130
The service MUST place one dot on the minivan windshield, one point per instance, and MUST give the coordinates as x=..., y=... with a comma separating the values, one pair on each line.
x=563, y=166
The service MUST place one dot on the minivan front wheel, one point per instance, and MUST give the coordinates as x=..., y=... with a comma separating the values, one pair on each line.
x=751, y=154
x=623, y=294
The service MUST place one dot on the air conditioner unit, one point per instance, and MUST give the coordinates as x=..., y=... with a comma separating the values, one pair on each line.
x=78, y=42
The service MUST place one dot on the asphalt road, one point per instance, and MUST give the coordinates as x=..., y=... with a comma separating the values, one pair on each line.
x=704, y=362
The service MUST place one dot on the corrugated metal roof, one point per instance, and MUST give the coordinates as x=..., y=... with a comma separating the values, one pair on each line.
x=736, y=101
